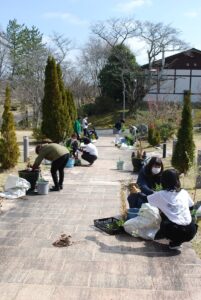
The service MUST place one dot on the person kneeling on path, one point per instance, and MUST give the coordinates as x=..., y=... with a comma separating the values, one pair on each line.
x=148, y=179
x=174, y=203
x=90, y=152
x=59, y=156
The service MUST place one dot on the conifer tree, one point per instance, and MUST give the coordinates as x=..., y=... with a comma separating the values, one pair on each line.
x=52, y=105
x=183, y=155
x=72, y=107
x=9, y=152
x=67, y=123
x=150, y=134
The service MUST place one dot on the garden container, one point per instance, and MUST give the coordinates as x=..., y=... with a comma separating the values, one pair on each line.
x=70, y=163
x=137, y=163
x=109, y=225
x=120, y=165
x=43, y=187
x=30, y=176
x=132, y=213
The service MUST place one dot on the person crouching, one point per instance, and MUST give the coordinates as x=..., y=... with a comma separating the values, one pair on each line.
x=90, y=152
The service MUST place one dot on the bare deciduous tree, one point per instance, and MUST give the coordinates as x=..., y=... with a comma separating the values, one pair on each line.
x=82, y=90
x=93, y=58
x=3, y=55
x=116, y=31
x=61, y=47
x=159, y=38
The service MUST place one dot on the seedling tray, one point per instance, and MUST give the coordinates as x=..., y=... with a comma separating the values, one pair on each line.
x=108, y=225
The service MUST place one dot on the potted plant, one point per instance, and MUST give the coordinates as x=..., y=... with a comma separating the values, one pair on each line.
x=113, y=225
x=138, y=158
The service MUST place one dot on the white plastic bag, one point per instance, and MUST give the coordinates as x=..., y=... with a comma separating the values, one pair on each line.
x=15, y=187
x=146, y=224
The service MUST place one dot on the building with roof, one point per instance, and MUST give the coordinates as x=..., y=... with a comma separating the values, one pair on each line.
x=169, y=77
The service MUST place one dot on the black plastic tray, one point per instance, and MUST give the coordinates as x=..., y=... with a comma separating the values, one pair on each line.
x=103, y=225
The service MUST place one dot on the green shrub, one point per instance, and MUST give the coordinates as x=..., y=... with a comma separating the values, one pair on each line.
x=38, y=135
x=183, y=155
x=9, y=147
x=166, y=131
x=151, y=130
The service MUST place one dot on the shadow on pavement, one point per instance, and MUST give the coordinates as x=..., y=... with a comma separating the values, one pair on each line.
x=150, y=249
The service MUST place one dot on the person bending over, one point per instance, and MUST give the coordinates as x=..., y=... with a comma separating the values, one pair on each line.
x=90, y=152
x=59, y=156
x=174, y=204
x=148, y=179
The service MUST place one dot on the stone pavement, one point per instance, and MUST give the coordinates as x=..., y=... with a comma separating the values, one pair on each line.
x=97, y=265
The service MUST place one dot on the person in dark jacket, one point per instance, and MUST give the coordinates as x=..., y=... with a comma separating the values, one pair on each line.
x=148, y=179
x=72, y=145
x=118, y=125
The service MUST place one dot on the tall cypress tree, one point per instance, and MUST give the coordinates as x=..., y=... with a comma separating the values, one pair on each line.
x=67, y=123
x=72, y=107
x=52, y=106
x=9, y=152
x=183, y=155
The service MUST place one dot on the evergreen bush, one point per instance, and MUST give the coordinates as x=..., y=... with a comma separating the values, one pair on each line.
x=53, y=110
x=183, y=155
x=9, y=149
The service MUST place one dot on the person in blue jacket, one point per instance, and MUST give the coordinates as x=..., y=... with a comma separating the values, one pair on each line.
x=148, y=179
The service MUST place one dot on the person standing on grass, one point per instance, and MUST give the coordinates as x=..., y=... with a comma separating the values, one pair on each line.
x=59, y=156
x=175, y=204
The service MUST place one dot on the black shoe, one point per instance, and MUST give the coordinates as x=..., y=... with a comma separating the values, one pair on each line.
x=159, y=235
x=175, y=246
x=55, y=189
x=61, y=187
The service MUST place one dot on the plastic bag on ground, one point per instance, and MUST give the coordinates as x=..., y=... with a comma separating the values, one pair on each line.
x=146, y=224
x=15, y=187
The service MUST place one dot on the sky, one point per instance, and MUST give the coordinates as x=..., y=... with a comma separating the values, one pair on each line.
x=73, y=18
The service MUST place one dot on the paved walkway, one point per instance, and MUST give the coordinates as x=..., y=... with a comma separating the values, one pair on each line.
x=97, y=266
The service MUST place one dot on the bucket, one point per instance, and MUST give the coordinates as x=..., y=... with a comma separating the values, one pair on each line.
x=43, y=187
x=120, y=165
x=70, y=163
x=132, y=213
x=30, y=176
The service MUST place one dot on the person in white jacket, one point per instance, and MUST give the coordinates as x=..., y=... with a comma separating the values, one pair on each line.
x=174, y=204
x=85, y=126
x=90, y=152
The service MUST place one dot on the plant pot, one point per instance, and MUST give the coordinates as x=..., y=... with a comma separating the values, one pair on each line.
x=132, y=213
x=108, y=225
x=30, y=176
x=120, y=165
x=43, y=187
x=137, y=163
x=70, y=163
